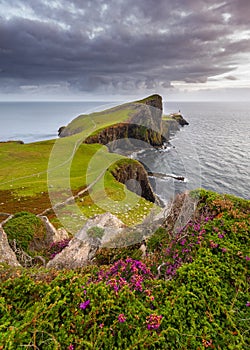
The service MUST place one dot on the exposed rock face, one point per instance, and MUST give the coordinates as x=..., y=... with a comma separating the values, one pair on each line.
x=135, y=177
x=73, y=256
x=179, y=118
x=180, y=212
x=153, y=101
x=172, y=125
x=7, y=255
x=110, y=223
x=52, y=234
x=169, y=127
x=60, y=130
x=126, y=136
x=81, y=249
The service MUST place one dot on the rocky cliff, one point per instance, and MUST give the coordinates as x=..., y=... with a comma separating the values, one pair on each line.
x=134, y=176
x=127, y=136
x=171, y=124
x=7, y=255
x=139, y=120
x=126, y=128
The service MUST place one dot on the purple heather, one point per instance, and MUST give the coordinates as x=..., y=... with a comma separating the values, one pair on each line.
x=121, y=318
x=85, y=304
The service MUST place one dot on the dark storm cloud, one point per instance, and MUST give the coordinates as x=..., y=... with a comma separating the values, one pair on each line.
x=231, y=77
x=120, y=45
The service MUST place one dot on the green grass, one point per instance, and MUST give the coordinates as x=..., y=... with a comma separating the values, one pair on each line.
x=149, y=98
x=54, y=169
x=101, y=120
x=28, y=170
x=20, y=161
x=167, y=117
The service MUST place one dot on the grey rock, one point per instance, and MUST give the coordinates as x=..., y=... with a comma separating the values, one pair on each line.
x=52, y=234
x=81, y=249
x=73, y=256
x=110, y=223
x=7, y=255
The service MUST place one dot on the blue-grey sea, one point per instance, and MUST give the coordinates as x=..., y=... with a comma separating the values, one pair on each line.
x=213, y=151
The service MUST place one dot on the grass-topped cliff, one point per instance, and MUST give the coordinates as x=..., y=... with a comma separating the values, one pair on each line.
x=34, y=175
x=135, y=120
x=190, y=291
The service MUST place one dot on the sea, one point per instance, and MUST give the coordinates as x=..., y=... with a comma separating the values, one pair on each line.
x=212, y=152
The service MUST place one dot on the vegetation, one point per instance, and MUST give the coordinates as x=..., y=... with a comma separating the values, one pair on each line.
x=49, y=172
x=100, y=120
x=27, y=230
x=191, y=291
x=95, y=232
x=44, y=172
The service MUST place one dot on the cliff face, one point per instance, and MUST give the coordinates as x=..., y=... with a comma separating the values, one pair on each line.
x=135, y=177
x=169, y=127
x=179, y=118
x=126, y=128
x=143, y=122
x=126, y=136
x=171, y=124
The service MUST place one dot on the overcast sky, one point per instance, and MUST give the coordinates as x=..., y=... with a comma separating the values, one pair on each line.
x=113, y=49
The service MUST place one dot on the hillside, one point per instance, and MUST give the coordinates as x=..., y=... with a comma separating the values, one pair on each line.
x=135, y=120
x=38, y=176
x=190, y=291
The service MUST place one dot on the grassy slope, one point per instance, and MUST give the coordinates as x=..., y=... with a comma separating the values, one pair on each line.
x=101, y=120
x=200, y=300
x=32, y=172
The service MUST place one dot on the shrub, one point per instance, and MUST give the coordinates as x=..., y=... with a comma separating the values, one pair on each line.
x=56, y=247
x=27, y=230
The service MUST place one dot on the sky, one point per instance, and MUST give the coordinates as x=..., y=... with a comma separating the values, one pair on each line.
x=122, y=49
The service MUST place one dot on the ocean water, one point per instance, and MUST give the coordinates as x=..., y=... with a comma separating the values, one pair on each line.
x=213, y=151
x=37, y=121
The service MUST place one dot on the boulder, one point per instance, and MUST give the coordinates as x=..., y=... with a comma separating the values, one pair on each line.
x=73, y=256
x=52, y=234
x=7, y=255
x=107, y=221
x=81, y=249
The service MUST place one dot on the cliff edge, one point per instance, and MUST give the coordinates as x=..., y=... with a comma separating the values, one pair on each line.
x=138, y=120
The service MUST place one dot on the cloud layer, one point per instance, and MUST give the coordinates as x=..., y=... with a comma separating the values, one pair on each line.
x=117, y=45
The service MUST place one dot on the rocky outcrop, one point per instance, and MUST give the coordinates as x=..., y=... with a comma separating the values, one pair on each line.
x=132, y=174
x=7, y=255
x=107, y=221
x=60, y=130
x=171, y=124
x=53, y=235
x=179, y=118
x=179, y=213
x=73, y=256
x=81, y=249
